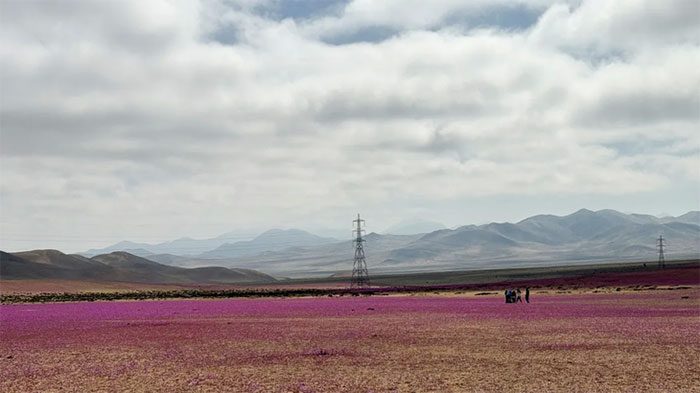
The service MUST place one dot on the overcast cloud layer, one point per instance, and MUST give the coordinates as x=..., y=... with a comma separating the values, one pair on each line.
x=153, y=120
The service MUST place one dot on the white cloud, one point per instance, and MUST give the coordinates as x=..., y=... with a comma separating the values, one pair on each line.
x=124, y=120
x=405, y=15
x=622, y=25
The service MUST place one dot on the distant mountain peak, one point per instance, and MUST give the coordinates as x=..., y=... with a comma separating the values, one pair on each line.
x=279, y=231
x=274, y=230
x=271, y=240
x=372, y=235
x=583, y=211
x=414, y=226
x=285, y=234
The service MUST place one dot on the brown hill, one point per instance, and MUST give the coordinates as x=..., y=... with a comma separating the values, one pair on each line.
x=40, y=264
x=16, y=267
x=116, y=266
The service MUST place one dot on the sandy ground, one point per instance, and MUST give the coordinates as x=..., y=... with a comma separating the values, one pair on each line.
x=614, y=341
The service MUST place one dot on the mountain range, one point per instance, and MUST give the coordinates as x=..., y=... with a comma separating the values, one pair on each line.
x=117, y=266
x=181, y=246
x=272, y=240
x=581, y=237
x=546, y=239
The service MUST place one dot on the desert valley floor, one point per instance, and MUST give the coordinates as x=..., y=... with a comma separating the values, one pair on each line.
x=639, y=338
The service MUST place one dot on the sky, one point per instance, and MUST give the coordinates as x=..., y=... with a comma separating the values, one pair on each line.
x=150, y=121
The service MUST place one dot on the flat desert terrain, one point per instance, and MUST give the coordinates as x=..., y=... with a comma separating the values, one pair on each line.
x=645, y=340
x=609, y=275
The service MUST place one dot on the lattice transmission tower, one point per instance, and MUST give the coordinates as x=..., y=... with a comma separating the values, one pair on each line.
x=660, y=243
x=360, y=276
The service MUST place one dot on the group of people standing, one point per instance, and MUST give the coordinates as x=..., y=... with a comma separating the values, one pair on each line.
x=514, y=295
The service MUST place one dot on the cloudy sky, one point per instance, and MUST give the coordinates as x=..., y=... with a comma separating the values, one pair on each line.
x=153, y=120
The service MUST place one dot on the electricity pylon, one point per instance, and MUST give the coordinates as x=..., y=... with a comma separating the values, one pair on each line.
x=360, y=276
x=660, y=245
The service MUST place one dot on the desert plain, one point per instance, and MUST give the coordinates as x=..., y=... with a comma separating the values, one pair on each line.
x=640, y=334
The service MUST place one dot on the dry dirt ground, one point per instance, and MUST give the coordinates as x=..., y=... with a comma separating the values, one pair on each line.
x=646, y=340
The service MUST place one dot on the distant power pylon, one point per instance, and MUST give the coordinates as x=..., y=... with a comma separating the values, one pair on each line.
x=360, y=276
x=660, y=245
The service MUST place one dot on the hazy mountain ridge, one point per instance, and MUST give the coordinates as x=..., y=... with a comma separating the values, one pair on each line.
x=181, y=246
x=583, y=235
x=116, y=266
x=692, y=217
x=226, y=245
x=320, y=260
x=272, y=240
x=542, y=239
x=414, y=226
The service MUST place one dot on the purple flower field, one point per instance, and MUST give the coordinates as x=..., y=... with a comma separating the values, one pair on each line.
x=646, y=341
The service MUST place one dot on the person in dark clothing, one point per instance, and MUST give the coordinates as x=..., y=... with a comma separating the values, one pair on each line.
x=510, y=296
x=518, y=298
x=527, y=294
